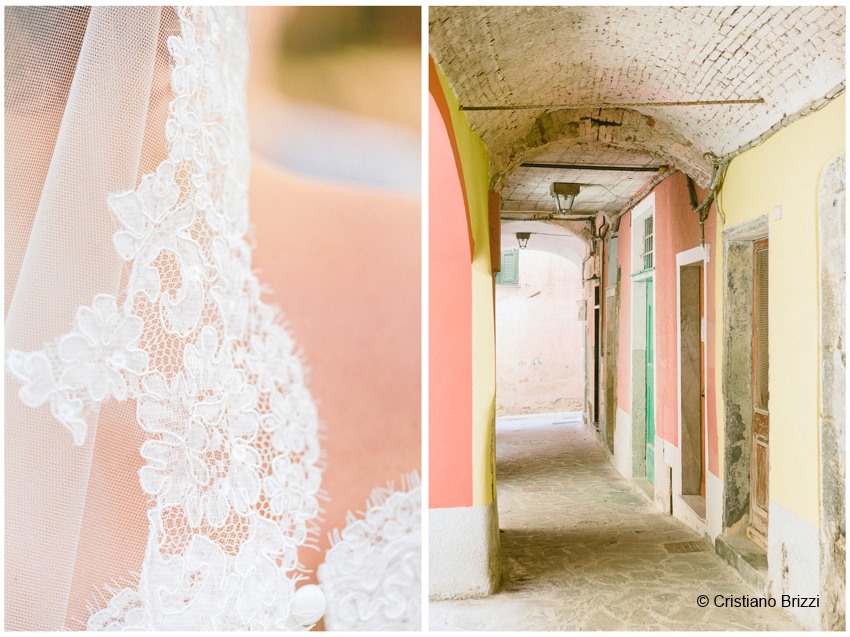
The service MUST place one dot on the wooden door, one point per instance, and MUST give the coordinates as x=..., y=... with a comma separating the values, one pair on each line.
x=650, y=385
x=760, y=445
x=597, y=329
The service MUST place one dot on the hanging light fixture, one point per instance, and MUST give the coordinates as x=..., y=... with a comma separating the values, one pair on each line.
x=564, y=195
x=522, y=238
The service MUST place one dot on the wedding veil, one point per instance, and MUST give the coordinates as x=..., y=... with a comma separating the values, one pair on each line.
x=161, y=449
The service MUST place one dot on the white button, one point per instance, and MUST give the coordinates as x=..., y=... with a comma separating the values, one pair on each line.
x=308, y=605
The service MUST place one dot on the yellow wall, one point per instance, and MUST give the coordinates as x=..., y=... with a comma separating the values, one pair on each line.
x=476, y=172
x=785, y=171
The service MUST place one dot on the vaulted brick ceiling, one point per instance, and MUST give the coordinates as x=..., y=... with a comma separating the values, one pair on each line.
x=578, y=63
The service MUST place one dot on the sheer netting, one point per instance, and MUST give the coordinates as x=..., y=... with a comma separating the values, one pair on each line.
x=182, y=502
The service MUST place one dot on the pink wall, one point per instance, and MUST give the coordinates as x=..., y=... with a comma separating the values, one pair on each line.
x=676, y=230
x=450, y=315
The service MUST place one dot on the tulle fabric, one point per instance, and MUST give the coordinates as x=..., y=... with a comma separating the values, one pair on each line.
x=87, y=92
x=208, y=389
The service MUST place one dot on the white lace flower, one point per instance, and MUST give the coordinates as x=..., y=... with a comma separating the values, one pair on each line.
x=35, y=372
x=232, y=292
x=206, y=472
x=269, y=358
x=100, y=355
x=207, y=364
x=371, y=575
x=190, y=591
x=291, y=487
x=195, y=70
x=165, y=408
x=154, y=224
x=176, y=468
x=143, y=212
x=294, y=421
x=181, y=314
x=38, y=385
x=125, y=611
x=69, y=412
x=243, y=477
x=263, y=589
x=240, y=406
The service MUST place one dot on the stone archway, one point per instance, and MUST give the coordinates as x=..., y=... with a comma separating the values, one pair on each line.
x=622, y=129
x=539, y=330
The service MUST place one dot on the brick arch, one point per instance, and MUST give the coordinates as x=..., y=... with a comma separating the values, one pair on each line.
x=624, y=129
x=509, y=64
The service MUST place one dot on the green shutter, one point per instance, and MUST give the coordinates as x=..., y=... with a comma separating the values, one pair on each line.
x=510, y=268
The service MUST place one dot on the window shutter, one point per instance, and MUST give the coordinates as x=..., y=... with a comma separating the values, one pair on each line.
x=510, y=268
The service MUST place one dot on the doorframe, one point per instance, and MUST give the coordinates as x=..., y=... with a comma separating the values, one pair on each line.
x=685, y=258
x=737, y=354
x=757, y=513
x=637, y=329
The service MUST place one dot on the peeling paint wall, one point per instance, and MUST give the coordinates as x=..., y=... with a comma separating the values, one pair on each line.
x=833, y=532
x=784, y=172
x=779, y=180
x=736, y=390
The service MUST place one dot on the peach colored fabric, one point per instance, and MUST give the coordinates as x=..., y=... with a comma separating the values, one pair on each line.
x=343, y=265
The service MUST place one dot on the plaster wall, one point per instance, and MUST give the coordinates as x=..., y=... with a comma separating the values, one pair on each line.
x=450, y=326
x=623, y=443
x=677, y=230
x=538, y=337
x=474, y=162
x=462, y=559
x=778, y=180
x=783, y=173
x=463, y=524
x=793, y=556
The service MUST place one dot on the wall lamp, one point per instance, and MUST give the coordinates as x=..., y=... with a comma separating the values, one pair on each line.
x=565, y=195
x=522, y=238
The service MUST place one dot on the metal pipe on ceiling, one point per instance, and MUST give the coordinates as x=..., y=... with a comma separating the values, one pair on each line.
x=540, y=215
x=537, y=107
x=633, y=169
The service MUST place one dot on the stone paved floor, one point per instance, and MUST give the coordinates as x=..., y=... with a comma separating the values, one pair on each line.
x=584, y=551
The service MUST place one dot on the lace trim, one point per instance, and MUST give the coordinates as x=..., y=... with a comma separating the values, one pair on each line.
x=371, y=575
x=232, y=447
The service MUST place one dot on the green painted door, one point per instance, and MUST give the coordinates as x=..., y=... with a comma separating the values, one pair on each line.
x=650, y=386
